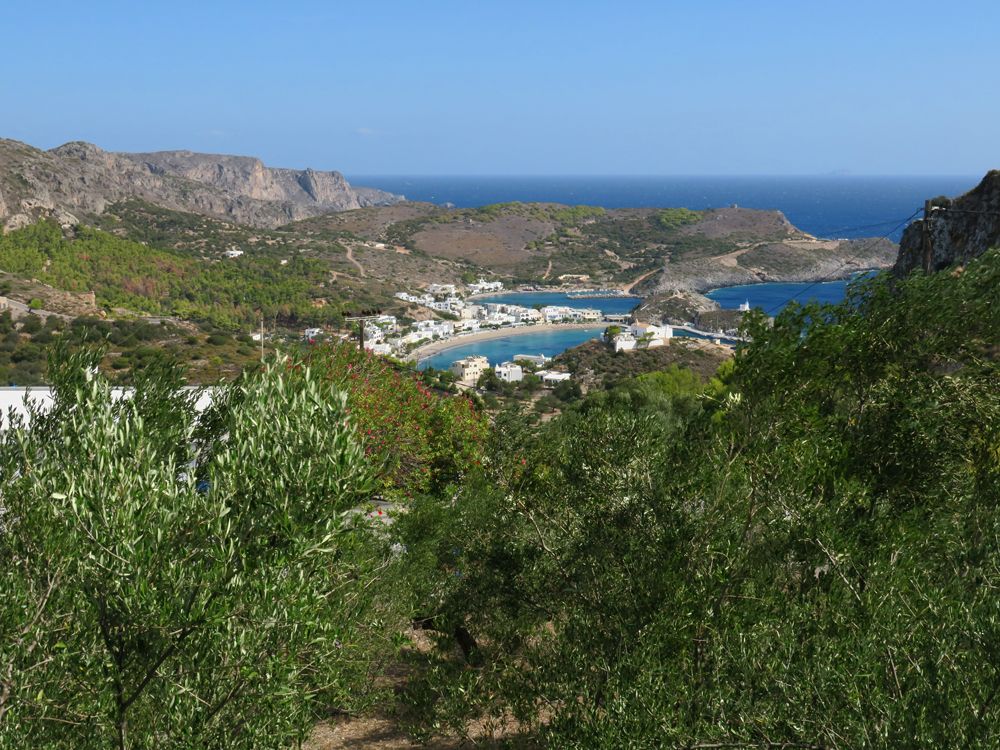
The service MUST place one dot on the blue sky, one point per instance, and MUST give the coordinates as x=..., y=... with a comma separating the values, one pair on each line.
x=540, y=87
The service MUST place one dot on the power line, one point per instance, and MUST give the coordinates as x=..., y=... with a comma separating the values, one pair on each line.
x=866, y=226
x=964, y=211
x=843, y=265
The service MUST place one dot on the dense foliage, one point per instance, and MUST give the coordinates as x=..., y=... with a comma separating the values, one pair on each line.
x=807, y=558
x=130, y=346
x=419, y=441
x=127, y=274
x=173, y=579
x=802, y=551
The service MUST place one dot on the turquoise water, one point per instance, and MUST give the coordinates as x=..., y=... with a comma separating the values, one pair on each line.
x=607, y=305
x=549, y=343
x=769, y=297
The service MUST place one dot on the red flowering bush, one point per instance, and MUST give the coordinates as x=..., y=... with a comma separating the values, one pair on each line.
x=418, y=440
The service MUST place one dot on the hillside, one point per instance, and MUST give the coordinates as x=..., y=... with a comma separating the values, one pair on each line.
x=79, y=179
x=670, y=255
x=223, y=240
x=958, y=229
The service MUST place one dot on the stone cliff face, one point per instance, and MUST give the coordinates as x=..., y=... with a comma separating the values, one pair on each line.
x=959, y=229
x=82, y=178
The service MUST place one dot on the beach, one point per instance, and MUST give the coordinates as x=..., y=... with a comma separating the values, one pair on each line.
x=436, y=347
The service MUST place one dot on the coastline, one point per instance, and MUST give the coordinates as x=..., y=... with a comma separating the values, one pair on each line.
x=553, y=290
x=848, y=276
x=436, y=347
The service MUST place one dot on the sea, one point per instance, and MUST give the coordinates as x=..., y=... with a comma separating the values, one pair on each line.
x=836, y=207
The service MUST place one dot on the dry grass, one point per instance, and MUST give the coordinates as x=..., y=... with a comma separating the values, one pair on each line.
x=384, y=729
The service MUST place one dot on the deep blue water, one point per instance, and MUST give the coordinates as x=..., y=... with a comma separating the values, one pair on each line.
x=771, y=298
x=824, y=206
x=612, y=305
x=839, y=207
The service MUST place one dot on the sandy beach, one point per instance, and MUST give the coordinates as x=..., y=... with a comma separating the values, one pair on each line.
x=436, y=347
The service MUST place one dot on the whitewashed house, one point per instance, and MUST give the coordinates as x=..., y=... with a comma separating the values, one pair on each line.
x=623, y=342
x=509, y=372
x=551, y=378
x=527, y=315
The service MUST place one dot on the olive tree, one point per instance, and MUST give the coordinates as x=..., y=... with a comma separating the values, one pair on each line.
x=172, y=579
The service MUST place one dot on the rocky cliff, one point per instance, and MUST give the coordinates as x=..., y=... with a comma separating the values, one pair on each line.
x=81, y=178
x=959, y=229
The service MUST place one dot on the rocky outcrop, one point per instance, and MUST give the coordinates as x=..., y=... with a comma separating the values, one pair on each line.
x=958, y=229
x=80, y=178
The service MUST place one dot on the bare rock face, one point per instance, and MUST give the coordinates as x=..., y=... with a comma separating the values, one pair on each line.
x=959, y=229
x=82, y=178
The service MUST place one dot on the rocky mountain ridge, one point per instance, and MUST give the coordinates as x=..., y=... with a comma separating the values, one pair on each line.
x=81, y=178
x=958, y=229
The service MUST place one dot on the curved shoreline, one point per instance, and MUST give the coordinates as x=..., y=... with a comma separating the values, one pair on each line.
x=426, y=351
x=824, y=280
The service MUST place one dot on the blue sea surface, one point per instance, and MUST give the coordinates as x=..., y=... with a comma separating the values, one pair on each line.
x=550, y=343
x=771, y=298
x=826, y=206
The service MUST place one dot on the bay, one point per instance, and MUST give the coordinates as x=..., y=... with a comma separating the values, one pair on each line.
x=550, y=343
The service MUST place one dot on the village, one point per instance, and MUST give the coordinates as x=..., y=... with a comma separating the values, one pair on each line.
x=461, y=314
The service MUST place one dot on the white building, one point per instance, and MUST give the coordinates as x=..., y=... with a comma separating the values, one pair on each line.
x=589, y=314
x=383, y=349
x=441, y=328
x=508, y=372
x=373, y=334
x=311, y=334
x=469, y=369
x=234, y=253
x=535, y=359
x=623, y=342
x=482, y=286
x=468, y=326
x=551, y=379
x=745, y=306
x=387, y=323
x=441, y=289
x=527, y=315
x=649, y=331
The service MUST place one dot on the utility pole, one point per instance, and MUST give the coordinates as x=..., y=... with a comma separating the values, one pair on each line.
x=361, y=319
x=262, y=337
x=925, y=233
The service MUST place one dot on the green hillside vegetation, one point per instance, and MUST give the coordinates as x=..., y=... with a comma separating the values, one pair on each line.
x=803, y=555
x=124, y=273
x=130, y=346
x=800, y=551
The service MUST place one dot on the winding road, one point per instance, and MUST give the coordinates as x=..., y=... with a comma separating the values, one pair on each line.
x=350, y=257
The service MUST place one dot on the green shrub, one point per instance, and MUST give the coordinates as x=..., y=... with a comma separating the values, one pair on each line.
x=176, y=580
